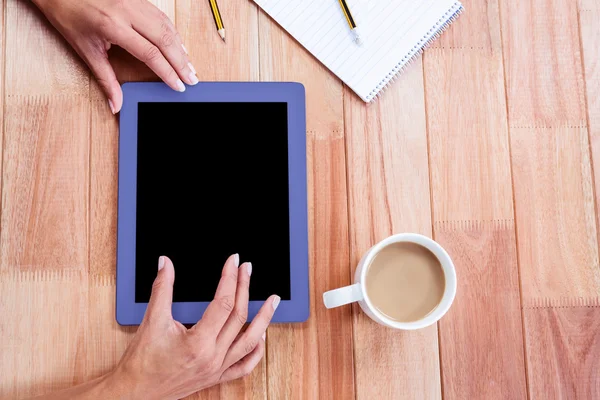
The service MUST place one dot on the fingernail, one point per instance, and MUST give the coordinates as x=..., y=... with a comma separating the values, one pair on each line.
x=161, y=262
x=184, y=49
x=276, y=302
x=249, y=268
x=180, y=86
x=264, y=336
x=193, y=78
x=112, y=106
x=191, y=67
x=236, y=260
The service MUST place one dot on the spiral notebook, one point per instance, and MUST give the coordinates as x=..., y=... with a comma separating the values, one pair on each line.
x=394, y=32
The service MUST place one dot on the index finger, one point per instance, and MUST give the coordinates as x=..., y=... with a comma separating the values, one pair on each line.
x=220, y=308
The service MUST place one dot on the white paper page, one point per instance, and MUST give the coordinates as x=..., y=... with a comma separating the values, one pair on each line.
x=392, y=32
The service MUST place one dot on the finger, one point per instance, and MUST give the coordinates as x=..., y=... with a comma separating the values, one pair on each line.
x=97, y=59
x=220, y=308
x=253, y=335
x=164, y=17
x=156, y=26
x=246, y=365
x=239, y=315
x=151, y=55
x=161, y=298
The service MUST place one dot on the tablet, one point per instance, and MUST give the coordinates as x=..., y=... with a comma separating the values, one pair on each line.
x=216, y=170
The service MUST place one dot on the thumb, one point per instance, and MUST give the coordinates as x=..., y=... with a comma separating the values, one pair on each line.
x=162, y=288
x=97, y=60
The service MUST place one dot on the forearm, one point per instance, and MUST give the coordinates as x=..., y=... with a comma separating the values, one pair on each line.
x=41, y=3
x=109, y=386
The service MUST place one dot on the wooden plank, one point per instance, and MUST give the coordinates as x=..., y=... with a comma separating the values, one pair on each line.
x=45, y=181
x=558, y=248
x=103, y=187
x=473, y=213
x=314, y=359
x=388, y=186
x=42, y=331
x=481, y=337
x=587, y=5
x=45, y=165
x=544, y=79
x=213, y=59
x=563, y=351
x=38, y=60
x=2, y=69
x=590, y=42
x=106, y=339
x=468, y=137
x=44, y=236
x=477, y=28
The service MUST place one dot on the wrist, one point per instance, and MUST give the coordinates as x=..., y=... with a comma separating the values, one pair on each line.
x=121, y=385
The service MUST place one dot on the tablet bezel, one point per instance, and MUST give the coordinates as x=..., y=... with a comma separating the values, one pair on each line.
x=128, y=312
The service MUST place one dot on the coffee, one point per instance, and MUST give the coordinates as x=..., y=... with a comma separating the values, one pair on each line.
x=405, y=281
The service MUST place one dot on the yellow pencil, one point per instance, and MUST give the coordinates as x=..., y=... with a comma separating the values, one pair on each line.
x=217, y=16
x=351, y=22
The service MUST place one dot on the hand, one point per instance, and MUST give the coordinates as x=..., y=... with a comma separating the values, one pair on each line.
x=168, y=361
x=93, y=26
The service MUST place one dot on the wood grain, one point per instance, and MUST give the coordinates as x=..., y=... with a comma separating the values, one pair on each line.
x=43, y=330
x=45, y=183
x=45, y=163
x=481, y=337
x=388, y=187
x=477, y=28
x=558, y=248
x=2, y=74
x=44, y=236
x=107, y=340
x=38, y=60
x=590, y=42
x=585, y=5
x=468, y=137
x=544, y=79
x=370, y=170
x=563, y=352
x=473, y=212
x=314, y=359
x=104, y=144
x=213, y=59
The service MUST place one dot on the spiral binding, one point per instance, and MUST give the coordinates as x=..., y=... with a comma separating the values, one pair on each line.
x=440, y=27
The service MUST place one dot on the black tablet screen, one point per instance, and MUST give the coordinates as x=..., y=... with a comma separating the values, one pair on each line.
x=212, y=180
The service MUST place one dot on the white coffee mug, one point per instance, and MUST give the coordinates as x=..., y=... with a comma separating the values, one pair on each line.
x=357, y=292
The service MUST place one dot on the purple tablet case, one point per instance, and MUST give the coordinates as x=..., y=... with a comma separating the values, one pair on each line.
x=128, y=312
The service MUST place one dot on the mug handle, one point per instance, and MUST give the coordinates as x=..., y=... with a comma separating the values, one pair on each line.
x=343, y=295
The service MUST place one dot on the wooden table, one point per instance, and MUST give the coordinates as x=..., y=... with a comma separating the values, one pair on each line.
x=489, y=144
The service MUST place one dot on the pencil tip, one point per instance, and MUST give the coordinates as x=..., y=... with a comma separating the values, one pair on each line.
x=222, y=34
